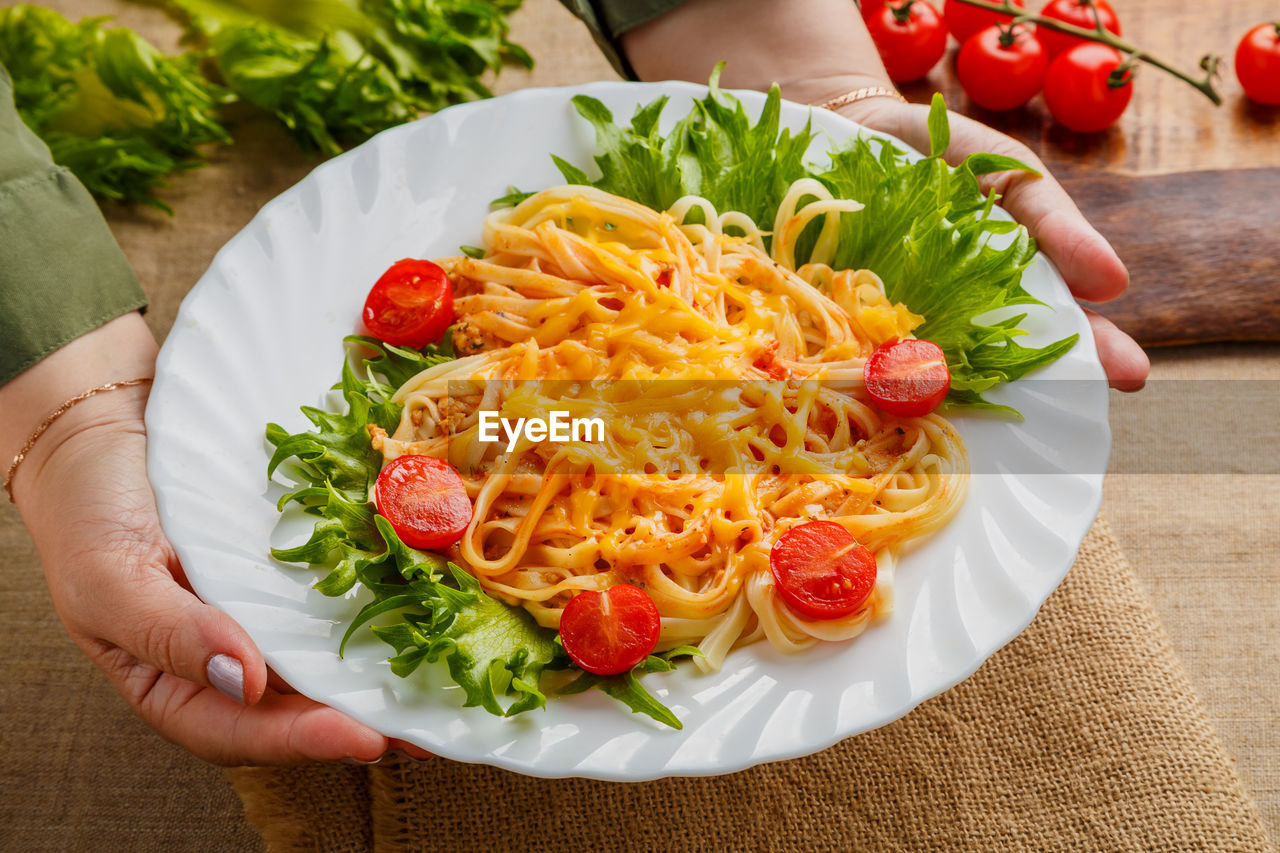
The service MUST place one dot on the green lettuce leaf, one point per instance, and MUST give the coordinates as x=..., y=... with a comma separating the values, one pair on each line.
x=927, y=228
x=112, y=109
x=715, y=151
x=336, y=72
x=337, y=465
x=627, y=689
x=491, y=649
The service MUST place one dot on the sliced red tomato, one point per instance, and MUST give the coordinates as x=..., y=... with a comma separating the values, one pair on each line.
x=610, y=632
x=1081, y=13
x=964, y=20
x=907, y=378
x=821, y=571
x=411, y=305
x=1002, y=68
x=425, y=501
x=1258, y=63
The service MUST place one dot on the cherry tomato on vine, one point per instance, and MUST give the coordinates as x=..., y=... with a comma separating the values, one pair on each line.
x=907, y=378
x=1083, y=90
x=1080, y=13
x=964, y=20
x=610, y=632
x=1258, y=63
x=821, y=571
x=1002, y=68
x=411, y=305
x=910, y=36
x=425, y=501
x=870, y=7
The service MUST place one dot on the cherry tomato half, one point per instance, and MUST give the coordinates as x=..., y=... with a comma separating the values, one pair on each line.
x=910, y=36
x=1002, y=70
x=1258, y=63
x=964, y=21
x=411, y=305
x=821, y=571
x=425, y=501
x=1080, y=13
x=1078, y=90
x=610, y=632
x=908, y=378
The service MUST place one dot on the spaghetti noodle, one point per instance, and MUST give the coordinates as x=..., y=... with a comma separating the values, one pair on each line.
x=731, y=388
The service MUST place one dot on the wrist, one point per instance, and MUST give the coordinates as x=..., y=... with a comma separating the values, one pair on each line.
x=117, y=352
x=811, y=48
x=817, y=91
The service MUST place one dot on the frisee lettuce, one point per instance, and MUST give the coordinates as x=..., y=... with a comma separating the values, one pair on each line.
x=112, y=109
x=123, y=117
x=339, y=71
x=926, y=227
x=627, y=689
x=492, y=650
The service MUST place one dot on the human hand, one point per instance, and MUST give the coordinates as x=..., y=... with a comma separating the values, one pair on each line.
x=817, y=50
x=1086, y=260
x=186, y=668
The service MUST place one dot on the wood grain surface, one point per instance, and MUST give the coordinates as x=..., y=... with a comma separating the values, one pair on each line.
x=1204, y=248
x=1188, y=193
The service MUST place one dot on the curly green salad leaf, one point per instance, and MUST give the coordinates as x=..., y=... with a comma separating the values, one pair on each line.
x=627, y=689
x=123, y=117
x=339, y=71
x=492, y=650
x=926, y=227
x=112, y=109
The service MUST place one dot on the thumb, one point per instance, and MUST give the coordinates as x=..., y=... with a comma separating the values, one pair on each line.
x=162, y=624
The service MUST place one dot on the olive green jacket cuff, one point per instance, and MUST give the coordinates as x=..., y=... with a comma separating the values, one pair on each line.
x=609, y=19
x=61, y=272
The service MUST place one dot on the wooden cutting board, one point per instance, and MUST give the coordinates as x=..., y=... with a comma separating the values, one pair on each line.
x=1203, y=251
x=1188, y=193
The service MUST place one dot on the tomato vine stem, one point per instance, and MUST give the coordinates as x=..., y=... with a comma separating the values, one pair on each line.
x=1208, y=63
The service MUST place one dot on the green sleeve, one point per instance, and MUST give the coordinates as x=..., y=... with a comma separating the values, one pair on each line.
x=61, y=272
x=609, y=19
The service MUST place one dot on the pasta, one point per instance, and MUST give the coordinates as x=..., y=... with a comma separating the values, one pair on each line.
x=730, y=387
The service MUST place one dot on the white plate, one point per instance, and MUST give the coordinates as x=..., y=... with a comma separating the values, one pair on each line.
x=261, y=334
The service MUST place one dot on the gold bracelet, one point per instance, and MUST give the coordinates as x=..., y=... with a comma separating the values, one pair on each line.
x=861, y=95
x=53, y=416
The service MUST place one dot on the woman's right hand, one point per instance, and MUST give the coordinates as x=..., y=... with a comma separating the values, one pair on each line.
x=186, y=668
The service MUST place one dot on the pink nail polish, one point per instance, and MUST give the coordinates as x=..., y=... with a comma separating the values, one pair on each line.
x=227, y=674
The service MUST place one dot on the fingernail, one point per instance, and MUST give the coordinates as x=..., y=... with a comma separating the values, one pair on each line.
x=351, y=760
x=227, y=674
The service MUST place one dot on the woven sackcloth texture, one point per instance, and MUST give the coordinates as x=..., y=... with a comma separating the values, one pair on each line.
x=317, y=807
x=1081, y=734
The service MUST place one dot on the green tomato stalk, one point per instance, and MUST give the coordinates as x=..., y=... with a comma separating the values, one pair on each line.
x=1208, y=63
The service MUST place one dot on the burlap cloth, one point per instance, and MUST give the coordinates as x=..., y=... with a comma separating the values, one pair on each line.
x=1082, y=734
